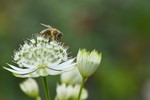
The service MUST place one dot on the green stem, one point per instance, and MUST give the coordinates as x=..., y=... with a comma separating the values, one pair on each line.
x=81, y=87
x=47, y=93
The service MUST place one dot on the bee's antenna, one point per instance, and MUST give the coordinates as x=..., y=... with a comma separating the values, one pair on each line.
x=48, y=26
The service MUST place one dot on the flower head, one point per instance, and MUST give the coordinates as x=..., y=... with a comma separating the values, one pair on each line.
x=88, y=62
x=39, y=57
x=70, y=92
x=71, y=77
x=30, y=87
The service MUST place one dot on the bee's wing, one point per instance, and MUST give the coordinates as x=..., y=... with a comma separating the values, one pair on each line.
x=48, y=26
x=43, y=31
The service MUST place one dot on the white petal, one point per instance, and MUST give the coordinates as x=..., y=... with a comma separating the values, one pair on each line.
x=28, y=65
x=18, y=69
x=23, y=76
x=56, y=63
x=19, y=72
x=53, y=72
x=64, y=65
x=34, y=74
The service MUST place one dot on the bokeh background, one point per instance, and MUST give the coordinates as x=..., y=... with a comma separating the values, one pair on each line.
x=120, y=29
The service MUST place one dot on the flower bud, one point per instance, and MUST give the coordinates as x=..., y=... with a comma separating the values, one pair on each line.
x=88, y=62
x=30, y=87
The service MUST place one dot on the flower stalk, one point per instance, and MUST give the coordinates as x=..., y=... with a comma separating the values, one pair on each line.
x=81, y=87
x=47, y=93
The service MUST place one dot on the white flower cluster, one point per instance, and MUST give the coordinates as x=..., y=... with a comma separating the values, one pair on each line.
x=70, y=92
x=41, y=57
x=70, y=86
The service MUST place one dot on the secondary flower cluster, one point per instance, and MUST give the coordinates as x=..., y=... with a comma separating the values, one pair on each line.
x=70, y=86
x=70, y=92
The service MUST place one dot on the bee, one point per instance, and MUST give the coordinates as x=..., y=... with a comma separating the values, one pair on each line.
x=51, y=33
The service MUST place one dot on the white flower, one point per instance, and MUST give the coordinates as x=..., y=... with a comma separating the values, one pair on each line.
x=71, y=77
x=30, y=87
x=88, y=62
x=70, y=92
x=40, y=57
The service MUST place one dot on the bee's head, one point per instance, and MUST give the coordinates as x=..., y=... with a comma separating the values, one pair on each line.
x=59, y=35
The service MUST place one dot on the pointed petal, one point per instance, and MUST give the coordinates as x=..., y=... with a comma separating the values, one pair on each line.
x=70, y=67
x=28, y=65
x=19, y=72
x=64, y=65
x=22, y=76
x=56, y=63
x=53, y=72
x=33, y=74
x=18, y=69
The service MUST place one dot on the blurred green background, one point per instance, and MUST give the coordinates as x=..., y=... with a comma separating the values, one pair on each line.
x=120, y=29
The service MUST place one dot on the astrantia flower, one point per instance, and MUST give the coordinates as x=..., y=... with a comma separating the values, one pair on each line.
x=71, y=77
x=39, y=57
x=88, y=62
x=30, y=87
x=70, y=92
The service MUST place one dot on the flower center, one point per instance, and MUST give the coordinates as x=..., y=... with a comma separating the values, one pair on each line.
x=41, y=66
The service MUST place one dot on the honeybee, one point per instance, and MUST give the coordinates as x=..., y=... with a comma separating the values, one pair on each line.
x=51, y=33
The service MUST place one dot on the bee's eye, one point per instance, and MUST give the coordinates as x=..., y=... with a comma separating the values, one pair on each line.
x=59, y=35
